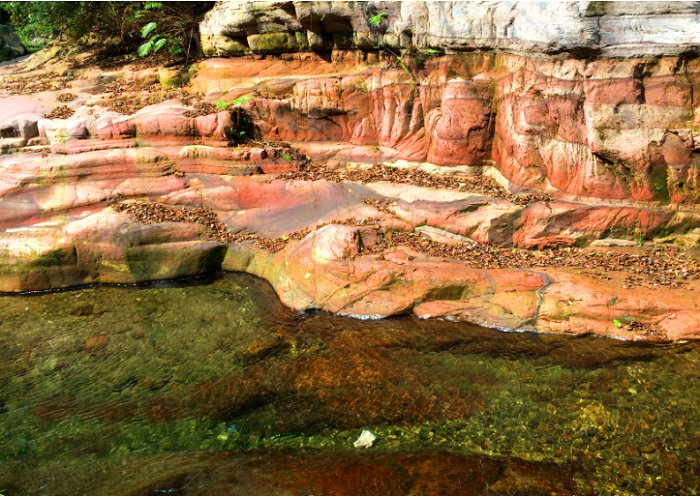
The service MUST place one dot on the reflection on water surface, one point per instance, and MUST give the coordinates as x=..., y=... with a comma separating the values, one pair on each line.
x=214, y=388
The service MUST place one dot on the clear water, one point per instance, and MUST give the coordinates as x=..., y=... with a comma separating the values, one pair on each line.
x=212, y=387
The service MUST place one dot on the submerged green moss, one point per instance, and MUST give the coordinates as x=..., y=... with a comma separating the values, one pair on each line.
x=98, y=379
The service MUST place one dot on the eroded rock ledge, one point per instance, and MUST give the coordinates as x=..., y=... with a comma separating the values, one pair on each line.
x=353, y=158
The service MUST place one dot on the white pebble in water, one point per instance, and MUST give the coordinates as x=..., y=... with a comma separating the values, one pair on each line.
x=366, y=440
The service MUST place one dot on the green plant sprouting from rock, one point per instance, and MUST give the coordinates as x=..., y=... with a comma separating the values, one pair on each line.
x=242, y=121
x=377, y=19
x=175, y=25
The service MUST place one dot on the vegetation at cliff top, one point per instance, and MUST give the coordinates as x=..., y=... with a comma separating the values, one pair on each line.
x=118, y=27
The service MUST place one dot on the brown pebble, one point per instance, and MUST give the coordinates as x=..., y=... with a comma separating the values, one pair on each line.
x=83, y=310
x=96, y=343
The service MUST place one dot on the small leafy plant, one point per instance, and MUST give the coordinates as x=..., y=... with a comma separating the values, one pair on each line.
x=221, y=105
x=242, y=120
x=242, y=99
x=377, y=19
x=409, y=73
x=154, y=43
x=172, y=24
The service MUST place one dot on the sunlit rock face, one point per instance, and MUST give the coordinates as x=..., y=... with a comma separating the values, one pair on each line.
x=611, y=29
x=603, y=129
x=617, y=129
x=589, y=111
x=588, y=99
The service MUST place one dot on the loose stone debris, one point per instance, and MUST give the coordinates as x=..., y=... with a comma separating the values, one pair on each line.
x=477, y=184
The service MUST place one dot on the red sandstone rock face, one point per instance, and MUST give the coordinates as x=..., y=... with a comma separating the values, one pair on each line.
x=165, y=124
x=541, y=225
x=604, y=129
x=598, y=130
x=613, y=140
x=461, y=131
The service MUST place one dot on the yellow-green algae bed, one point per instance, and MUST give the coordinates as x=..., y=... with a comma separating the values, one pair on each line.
x=212, y=387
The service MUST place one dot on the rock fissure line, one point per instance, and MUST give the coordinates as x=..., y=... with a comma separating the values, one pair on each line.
x=540, y=297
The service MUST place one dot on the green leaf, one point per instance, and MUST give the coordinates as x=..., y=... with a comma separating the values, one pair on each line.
x=617, y=323
x=153, y=5
x=159, y=44
x=242, y=99
x=145, y=49
x=220, y=104
x=146, y=30
x=175, y=50
x=376, y=20
x=285, y=156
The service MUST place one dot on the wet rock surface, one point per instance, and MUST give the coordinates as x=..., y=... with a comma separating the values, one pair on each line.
x=346, y=474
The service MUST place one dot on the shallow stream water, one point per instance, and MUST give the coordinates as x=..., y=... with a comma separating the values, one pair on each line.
x=212, y=387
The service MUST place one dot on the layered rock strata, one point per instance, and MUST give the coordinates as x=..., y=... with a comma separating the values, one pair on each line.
x=612, y=29
x=507, y=150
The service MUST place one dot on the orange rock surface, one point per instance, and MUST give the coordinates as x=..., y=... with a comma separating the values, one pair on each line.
x=610, y=140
